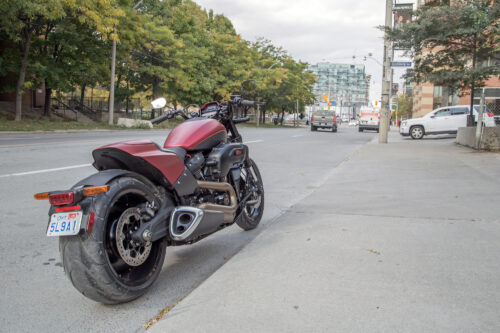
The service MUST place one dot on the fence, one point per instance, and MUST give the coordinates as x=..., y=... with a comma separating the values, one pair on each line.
x=94, y=107
x=492, y=101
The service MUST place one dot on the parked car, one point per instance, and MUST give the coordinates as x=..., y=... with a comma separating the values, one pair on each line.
x=324, y=119
x=444, y=120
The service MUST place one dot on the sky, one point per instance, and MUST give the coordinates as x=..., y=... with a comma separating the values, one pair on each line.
x=314, y=30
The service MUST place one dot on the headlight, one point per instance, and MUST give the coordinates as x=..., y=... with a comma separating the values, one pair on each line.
x=404, y=123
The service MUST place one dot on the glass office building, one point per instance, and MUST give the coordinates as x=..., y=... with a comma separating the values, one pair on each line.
x=346, y=85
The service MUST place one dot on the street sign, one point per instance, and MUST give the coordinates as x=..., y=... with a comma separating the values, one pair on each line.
x=400, y=63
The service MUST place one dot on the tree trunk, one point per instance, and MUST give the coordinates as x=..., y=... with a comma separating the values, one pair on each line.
x=48, y=94
x=82, y=95
x=263, y=116
x=22, y=73
x=156, y=93
x=445, y=96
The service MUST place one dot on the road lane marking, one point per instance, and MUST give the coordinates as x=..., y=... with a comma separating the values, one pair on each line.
x=298, y=136
x=45, y=170
x=255, y=141
x=47, y=143
x=118, y=139
x=70, y=167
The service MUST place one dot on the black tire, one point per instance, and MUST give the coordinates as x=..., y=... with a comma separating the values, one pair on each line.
x=417, y=132
x=92, y=262
x=360, y=129
x=250, y=216
x=334, y=129
x=313, y=128
x=377, y=130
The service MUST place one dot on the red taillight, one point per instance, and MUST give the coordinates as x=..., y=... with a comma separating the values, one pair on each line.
x=334, y=119
x=67, y=208
x=90, y=224
x=312, y=118
x=59, y=199
x=490, y=114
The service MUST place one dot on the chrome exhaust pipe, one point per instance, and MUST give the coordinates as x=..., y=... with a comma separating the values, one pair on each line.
x=229, y=211
x=184, y=221
x=188, y=223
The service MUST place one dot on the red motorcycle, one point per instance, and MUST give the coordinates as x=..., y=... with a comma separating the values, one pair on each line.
x=114, y=226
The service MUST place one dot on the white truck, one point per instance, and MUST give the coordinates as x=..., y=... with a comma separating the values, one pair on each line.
x=369, y=118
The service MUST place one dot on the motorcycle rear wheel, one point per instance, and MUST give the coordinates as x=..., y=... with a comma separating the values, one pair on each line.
x=93, y=262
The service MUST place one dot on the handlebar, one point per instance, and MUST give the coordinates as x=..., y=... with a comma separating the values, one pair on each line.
x=241, y=120
x=160, y=119
x=244, y=102
x=169, y=115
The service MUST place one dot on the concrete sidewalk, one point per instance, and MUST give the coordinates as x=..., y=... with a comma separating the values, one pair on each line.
x=403, y=237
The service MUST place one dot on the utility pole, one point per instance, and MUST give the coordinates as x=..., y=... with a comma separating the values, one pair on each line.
x=386, y=78
x=112, y=84
x=112, y=81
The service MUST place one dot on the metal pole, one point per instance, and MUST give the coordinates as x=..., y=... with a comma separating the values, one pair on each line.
x=257, y=121
x=112, y=84
x=296, y=113
x=471, y=114
x=479, y=126
x=386, y=78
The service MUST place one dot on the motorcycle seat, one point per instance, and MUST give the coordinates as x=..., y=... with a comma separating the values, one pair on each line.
x=180, y=152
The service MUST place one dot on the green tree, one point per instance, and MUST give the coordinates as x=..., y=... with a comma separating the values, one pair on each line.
x=446, y=40
x=281, y=80
x=24, y=19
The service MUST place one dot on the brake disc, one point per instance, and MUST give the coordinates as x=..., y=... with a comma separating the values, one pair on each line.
x=133, y=253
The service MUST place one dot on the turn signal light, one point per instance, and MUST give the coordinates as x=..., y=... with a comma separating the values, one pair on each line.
x=94, y=190
x=41, y=196
x=59, y=199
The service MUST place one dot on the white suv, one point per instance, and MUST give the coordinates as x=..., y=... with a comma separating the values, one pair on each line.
x=445, y=120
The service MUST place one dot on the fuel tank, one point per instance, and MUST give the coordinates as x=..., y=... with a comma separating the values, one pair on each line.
x=197, y=134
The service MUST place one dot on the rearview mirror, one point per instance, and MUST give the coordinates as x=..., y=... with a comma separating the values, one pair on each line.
x=158, y=103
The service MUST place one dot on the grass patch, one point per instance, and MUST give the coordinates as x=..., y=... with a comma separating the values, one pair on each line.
x=266, y=125
x=34, y=123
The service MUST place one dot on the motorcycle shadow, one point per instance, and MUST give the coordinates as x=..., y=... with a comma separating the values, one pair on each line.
x=186, y=267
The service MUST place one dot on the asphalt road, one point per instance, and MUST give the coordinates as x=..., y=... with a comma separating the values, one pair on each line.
x=37, y=296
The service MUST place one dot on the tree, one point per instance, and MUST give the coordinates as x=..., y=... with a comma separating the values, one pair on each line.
x=281, y=80
x=450, y=43
x=405, y=106
x=24, y=19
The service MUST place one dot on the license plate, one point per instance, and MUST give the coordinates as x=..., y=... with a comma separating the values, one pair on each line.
x=64, y=224
x=323, y=124
x=372, y=123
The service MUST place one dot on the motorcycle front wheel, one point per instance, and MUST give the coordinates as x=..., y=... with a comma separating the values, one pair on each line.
x=252, y=185
x=106, y=265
